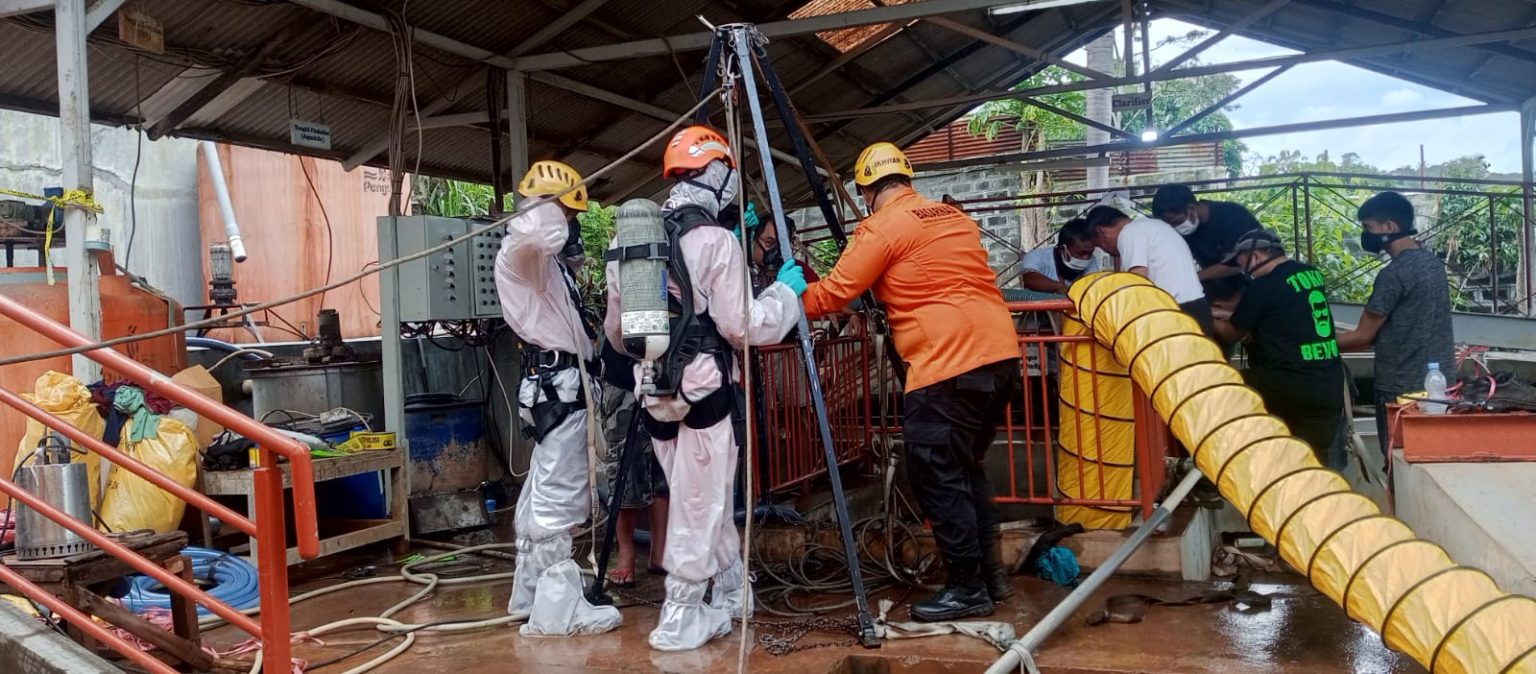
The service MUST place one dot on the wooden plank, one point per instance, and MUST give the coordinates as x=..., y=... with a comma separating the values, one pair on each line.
x=238, y=482
x=353, y=539
x=172, y=644
x=183, y=609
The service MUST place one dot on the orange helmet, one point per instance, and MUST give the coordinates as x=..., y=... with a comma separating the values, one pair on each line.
x=693, y=148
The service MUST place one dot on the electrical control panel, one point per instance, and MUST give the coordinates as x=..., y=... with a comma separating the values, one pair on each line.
x=441, y=286
x=483, y=249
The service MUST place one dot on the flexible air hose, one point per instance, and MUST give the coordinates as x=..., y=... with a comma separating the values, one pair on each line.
x=1452, y=619
x=1097, y=411
x=233, y=581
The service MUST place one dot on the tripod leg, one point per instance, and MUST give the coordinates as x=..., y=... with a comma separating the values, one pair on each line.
x=711, y=75
x=629, y=452
x=743, y=53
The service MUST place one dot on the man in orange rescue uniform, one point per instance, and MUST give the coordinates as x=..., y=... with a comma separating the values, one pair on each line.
x=925, y=262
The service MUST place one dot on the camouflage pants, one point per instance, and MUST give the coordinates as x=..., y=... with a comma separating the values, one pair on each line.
x=645, y=479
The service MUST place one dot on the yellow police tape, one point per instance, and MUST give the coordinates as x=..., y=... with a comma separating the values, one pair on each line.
x=1096, y=457
x=69, y=199
x=1452, y=619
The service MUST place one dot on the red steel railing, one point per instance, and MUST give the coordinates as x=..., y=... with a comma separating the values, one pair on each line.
x=266, y=526
x=788, y=425
x=791, y=454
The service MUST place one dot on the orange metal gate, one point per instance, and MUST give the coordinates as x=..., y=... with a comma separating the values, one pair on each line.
x=266, y=525
x=791, y=453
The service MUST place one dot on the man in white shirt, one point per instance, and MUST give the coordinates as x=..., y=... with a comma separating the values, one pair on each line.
x=1153, y=249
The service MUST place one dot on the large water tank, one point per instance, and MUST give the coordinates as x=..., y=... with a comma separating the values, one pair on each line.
x=126, y=310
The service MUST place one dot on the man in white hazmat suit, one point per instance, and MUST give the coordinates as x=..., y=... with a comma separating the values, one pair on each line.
x=540, y=303
x=693, y=431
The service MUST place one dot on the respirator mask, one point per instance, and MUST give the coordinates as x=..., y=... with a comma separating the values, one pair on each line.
x=1074, y=263
x=1376, y=243
x=1189, y=225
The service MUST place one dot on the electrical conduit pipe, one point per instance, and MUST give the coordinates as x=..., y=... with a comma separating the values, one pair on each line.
x=221, y=191
x=1449, y=618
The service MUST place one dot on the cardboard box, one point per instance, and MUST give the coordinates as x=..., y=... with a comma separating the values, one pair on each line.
x=199, y=379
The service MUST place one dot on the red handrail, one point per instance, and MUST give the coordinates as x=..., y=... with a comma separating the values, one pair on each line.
x=266, y=523
x=132, y=465
x=297, y=454
x=82, y=621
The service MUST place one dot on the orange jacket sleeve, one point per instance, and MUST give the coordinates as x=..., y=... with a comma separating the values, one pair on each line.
x=862, y=262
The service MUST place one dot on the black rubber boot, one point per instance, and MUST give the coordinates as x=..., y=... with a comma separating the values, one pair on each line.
x=995, y=575
x=964, y=596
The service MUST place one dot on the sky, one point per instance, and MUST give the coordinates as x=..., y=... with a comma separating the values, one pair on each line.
x=1332, y=90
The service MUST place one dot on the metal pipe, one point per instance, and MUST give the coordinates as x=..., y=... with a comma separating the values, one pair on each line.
x=1026, y=645
x=132, y=465
x=298, y=456
x=221, y=191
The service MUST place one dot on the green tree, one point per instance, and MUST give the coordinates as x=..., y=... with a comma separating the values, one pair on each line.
x=1330, y=241
x=1173, y=101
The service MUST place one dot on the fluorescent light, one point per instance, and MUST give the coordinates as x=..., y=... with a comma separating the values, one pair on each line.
x=1036, y=5
x=1149, y=135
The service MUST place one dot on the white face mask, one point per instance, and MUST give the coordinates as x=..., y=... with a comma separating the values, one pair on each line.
x=1189, y=225
x=1074, y=263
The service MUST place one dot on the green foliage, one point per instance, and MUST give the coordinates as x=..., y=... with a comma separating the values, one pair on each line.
x=1456, y=224
x=596, y=231
x=1331, y=243
x=1173, y=101
x=453, y=198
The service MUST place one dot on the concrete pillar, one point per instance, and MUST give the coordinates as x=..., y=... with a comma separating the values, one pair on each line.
x=1527, y=278
x=75, y=151
x=517, y=124
x=1101, y=57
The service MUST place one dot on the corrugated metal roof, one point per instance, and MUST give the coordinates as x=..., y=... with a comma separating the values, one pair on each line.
x=346, y=73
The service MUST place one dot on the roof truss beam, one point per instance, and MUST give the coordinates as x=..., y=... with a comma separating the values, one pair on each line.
x=1421, y=28
x=1197, y=71
x=100, y=11
x=1037, y=54
x=216, y=86
x=776, y=29
x=1226, y=100
x=1300, y=127
x=549, y=32
x=1234, y=27
x=18, y=7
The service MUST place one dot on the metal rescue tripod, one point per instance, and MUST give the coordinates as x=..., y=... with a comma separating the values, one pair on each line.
x=738, y=47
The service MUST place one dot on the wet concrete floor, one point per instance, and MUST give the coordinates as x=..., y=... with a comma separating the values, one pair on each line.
x=1302, y=633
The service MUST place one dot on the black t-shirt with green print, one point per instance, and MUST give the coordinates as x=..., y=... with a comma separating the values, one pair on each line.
x=1293, y=353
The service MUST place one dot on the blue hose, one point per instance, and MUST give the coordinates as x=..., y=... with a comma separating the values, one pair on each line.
x=225, y=577
x=220, y=345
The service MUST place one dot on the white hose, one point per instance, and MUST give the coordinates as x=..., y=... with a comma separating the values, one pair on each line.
x=385, y=621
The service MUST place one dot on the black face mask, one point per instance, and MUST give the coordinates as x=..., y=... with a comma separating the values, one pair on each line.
x=573, y=245
x=1375, y=243
x=773, y=258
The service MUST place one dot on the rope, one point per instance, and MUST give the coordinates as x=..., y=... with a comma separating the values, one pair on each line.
x=69, y=199
x=220, y=320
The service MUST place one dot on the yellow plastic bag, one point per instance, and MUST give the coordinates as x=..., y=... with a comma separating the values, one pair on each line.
x=66, y=398
x=131, y=502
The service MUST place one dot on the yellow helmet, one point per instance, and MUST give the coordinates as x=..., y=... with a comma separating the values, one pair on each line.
x=547, y=178
x=878, y=161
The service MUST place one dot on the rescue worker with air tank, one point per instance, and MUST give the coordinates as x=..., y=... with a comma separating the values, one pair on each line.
x=693, y=403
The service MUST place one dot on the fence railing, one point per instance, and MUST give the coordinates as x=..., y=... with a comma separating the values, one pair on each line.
x=791, y=456
x=266, y=524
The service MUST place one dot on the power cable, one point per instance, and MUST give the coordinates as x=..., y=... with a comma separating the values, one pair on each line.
x=330, y=234
x=528, y=205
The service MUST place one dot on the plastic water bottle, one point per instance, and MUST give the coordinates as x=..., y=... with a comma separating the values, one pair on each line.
x=1434, y=391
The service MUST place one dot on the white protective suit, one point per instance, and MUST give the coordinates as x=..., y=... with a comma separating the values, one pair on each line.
x=702, y=543
x=536, y=301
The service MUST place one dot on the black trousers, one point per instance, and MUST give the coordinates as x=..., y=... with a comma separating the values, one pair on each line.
x=947, y=428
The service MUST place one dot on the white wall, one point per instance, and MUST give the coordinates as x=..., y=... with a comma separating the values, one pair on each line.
x=166, y=247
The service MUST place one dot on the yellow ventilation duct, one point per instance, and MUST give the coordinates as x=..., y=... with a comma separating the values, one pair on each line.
x=1095, y=459
x=1452, y=619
